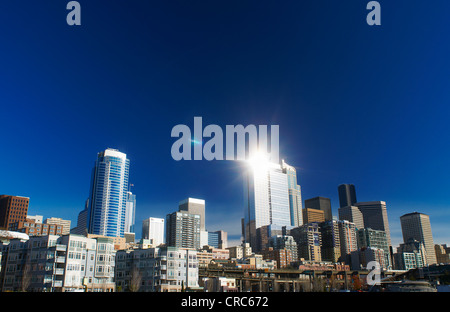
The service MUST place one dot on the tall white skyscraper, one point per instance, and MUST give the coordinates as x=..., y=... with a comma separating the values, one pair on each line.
x=130, y=212
x=266, y=194
x=153, y=229
x=108, y=195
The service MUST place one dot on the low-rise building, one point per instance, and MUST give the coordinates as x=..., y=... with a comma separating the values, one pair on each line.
x=410, y=255
x=256, y=261
x=240, y=251
x=58, y=264
x=208, y=254
x=220, y=284
x=360, y=258
x=31, y=227
x=282, y=257
x=162, y=269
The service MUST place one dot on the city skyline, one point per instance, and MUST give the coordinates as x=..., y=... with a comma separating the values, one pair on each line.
x=236, y=241
x=355, y=104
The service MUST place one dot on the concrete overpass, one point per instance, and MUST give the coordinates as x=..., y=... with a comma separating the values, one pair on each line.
x=287, y=279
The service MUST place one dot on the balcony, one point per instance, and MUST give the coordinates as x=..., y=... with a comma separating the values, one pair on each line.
x=60, y=260
x=48, y=279
x=57, y=283
x=58, y=272
x=61, y=248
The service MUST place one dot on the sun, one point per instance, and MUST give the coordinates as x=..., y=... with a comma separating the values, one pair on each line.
x=259, y=161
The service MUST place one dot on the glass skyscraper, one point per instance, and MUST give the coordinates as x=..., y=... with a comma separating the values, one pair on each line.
x=108, y=195
x=347, y=195
x=267, y=199
x=295, y=195
x=130, y=213
x=375, y=216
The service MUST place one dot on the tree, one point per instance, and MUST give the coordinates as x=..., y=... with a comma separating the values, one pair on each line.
x=135, y=280
x=26, y=275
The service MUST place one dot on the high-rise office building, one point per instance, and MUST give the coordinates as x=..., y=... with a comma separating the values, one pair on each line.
x=82, y=221
x=295, y=194
x=320, y=203
x=266, y=197
x=130, y=212
x=348, y=239
x=194, y=206
x=313, y=215
x=417, y=226
x=183, y=230
x=377, y=239
x=213, y=239
x=108, y=195
x=309, y=241
x=331, y=244
x=153, y=230
x=347, y=195
x=218, y=239
x=12, y=209
x=375, y=216
x=351, y=214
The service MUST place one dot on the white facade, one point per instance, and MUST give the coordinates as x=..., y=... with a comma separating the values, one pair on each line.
x=295, y=194
x=203, y=238
x=80, y=261
x=130, y=212
x=36, y=218
x=115, y=153
x=89, y=263
x=153, y=230
x=267, y=199
x=65, y=263
x=159, y=269
x=65, y=223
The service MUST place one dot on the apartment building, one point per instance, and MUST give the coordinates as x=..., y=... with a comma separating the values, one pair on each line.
x=58, y=264
x=309, y=241
x=209, y=254
x=161, y=269
x=32, y=227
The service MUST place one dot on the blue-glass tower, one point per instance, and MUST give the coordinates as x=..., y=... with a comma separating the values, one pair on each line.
x=108, y=194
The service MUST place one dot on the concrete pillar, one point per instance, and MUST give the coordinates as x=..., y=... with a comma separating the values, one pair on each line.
x=276, y=286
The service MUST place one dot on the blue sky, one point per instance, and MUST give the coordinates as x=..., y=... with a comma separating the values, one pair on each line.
x=355, y=104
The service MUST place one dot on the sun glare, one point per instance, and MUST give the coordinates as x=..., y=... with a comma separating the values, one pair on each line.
x=258, y=161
